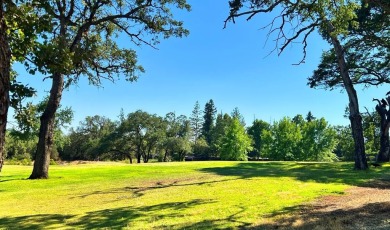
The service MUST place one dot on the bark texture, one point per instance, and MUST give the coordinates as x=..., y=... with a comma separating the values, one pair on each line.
x=5, y=65
x=46, y=131
x=354, y=114
x=383, y=155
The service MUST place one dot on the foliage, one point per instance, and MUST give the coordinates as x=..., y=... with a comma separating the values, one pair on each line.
x=297, y=139
x=235, y=144
x=19, y=148
x=208, y=120
x=82, y=40
x=219, y=132
x=139, y=135
x=154, y=196
x=318, y=141
x=24, y=137
x=371, y=126
x=201, y=149
x=84, y=142
x=178, y=134
x=255, y=131
x=310, y=117
x=236, y=114
x=196, y=121
x=83, y=43
x=282, y=140
x=367, y=50
x=295, y=22
x=28, y=118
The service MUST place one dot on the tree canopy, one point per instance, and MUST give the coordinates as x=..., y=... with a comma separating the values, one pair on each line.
x=295, y=22
x=82, y=42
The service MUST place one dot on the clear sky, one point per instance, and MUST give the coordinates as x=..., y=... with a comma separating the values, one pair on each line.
x=230, y=66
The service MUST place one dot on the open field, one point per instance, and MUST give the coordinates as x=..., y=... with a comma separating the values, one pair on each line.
x=186, y=195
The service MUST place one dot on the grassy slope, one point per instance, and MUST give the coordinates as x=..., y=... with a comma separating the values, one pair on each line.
x=168, y=195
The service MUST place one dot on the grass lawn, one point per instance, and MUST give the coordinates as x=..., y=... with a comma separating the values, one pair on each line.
x=189, y=195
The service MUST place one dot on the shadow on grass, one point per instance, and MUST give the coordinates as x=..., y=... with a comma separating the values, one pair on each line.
x=138, y=191
x=316, y=172
x=40, y=221
x=367, y=216
x=9, y=178
x=116, y=218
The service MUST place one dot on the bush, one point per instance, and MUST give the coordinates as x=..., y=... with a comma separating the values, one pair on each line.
x=15, y=161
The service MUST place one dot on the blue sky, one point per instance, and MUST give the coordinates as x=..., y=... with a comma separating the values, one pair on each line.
x=230, y=66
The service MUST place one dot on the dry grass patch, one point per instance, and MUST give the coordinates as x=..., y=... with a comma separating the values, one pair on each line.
x=364, y=207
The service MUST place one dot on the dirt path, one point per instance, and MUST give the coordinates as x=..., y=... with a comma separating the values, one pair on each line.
x=360, y=208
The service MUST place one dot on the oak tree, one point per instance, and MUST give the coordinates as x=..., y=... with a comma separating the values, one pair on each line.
x=83, y=42
x=295, y=22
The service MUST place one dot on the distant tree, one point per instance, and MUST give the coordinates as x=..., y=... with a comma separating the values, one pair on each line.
x=310, y=117
x=178, y=134
x=201, y=149
x=196, y=121
x=27, y=118
x=255, y=131
x=85, y=142
x=281, y=142
x=372, y=131
x=218, y=133
x=82, y=42
x=143, y=132
x=208, y=120
x=318, y=141
x=298, y=120
x=236, y=114
x=236, y=143
x=19, y=148
x=345, y=146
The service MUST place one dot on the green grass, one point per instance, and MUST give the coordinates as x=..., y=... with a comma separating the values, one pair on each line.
x=190, y=195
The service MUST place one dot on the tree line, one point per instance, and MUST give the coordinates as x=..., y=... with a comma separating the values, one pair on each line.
x=67, y=40
x=205, y=135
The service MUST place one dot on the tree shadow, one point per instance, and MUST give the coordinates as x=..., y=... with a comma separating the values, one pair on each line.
x=303, y=171
x=367, y=216
x=9, y=178
x=138, y=191
x=33, y=221
x=231, y=222
x=125, y=216
x=115, y=218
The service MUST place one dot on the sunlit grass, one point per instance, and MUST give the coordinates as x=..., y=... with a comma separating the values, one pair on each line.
x=168, y=195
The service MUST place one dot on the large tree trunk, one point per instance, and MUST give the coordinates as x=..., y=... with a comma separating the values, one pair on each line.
x=46, y=131
x=383, y=154
x=5, y=66
x=354, y=114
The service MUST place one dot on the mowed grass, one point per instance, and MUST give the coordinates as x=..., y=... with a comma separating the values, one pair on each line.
x=185, y=195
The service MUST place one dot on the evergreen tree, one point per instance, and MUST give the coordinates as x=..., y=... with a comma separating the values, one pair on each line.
x=236, y=114
x=208, y=120
x=196, y=121
x=310, y=117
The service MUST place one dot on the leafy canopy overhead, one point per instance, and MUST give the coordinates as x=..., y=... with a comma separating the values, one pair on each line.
x=298, y=18
x=367, y=51
x=84, y=35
